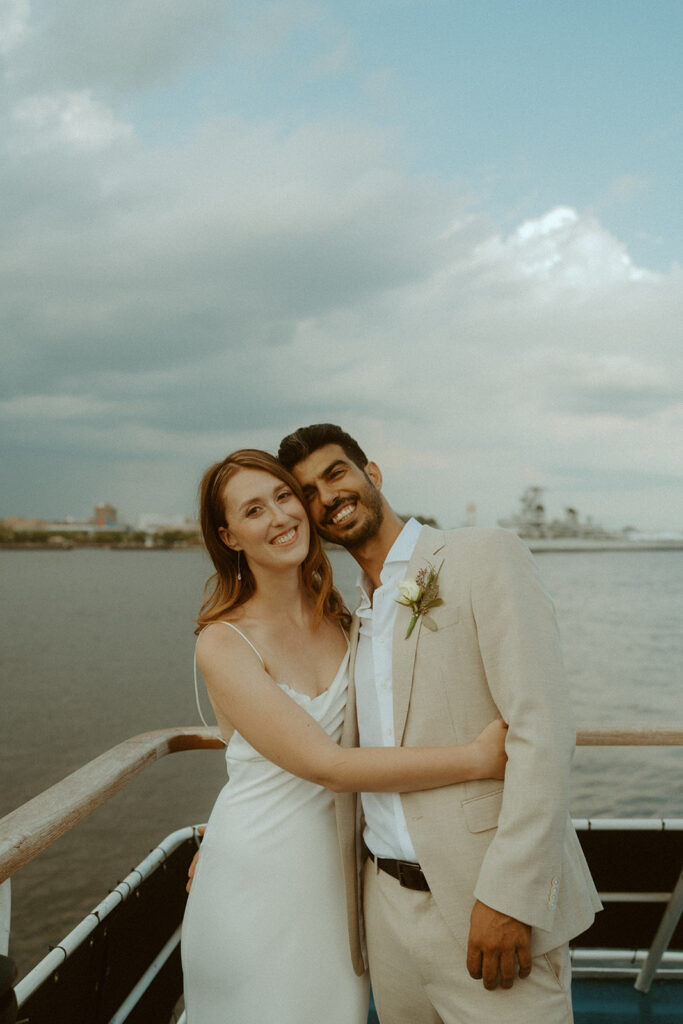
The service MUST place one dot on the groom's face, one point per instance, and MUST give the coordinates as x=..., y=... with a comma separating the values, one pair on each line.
x=344, y=501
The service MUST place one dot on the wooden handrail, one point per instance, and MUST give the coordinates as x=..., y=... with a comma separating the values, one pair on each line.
x=33, y=827
x=622, y=737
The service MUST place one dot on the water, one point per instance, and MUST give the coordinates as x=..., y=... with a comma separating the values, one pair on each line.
x=97, y=647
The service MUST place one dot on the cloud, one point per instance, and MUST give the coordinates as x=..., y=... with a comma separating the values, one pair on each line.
x=161, y=258
x=78, y=44
x=70, y=118
x=621, y=386
x=14, y=17
x=562, y=250
x=169, y=295
x=183, y=323
x=53, y=407
x=260, y=29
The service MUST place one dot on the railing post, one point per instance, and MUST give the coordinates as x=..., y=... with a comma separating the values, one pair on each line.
x=663, y=935
x=8, y=970
x=5, y=915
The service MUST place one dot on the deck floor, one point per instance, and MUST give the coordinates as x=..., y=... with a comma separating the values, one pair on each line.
x=617, y=1002
x=613, y=1002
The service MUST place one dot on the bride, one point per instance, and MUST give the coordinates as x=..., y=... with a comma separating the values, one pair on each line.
x=264, y=935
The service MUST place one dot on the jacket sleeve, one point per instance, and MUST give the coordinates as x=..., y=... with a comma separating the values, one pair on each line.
x=520, y=650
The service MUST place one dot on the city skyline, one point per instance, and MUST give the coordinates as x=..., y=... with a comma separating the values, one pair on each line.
x=568, y=515
x=450, y=227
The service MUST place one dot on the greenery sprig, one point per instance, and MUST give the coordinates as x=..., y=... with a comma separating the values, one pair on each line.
x=421, y=595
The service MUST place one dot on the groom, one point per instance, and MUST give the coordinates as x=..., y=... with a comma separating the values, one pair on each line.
x=482, y=881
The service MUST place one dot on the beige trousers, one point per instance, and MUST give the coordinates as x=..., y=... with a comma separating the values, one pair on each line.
x=418, y=967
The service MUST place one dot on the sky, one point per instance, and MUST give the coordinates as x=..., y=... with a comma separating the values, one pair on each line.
x=453, y=227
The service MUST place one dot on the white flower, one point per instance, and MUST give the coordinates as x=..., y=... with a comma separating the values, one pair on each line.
x=421, y=595
x=410, y=591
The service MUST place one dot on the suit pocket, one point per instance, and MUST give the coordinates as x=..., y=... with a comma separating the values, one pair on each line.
x=442, y=622
x=481, y=812
x=557, y=962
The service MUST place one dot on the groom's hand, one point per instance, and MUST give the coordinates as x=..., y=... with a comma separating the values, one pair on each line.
x=495, y=942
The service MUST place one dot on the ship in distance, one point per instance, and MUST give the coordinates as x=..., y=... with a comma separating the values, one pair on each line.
x=571, y=533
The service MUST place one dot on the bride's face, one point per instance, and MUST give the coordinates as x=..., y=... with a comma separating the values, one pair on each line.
x=265, y=520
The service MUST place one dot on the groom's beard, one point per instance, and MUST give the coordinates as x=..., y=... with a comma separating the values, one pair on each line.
x=370, y=515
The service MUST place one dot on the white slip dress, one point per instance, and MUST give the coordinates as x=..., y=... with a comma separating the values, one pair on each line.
x=265, y=937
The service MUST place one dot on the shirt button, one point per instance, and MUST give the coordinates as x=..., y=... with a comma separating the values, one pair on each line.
x=381, y=639
x=390, y=732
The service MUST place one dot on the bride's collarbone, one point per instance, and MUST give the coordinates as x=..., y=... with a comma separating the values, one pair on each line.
x=308, y=668
x=302, y=658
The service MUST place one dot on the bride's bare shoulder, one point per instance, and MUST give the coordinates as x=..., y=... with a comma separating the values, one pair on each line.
x=219, y=635
x=225, y=636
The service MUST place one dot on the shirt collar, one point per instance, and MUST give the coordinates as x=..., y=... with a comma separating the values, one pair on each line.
x=400, y=551
x=404, y=545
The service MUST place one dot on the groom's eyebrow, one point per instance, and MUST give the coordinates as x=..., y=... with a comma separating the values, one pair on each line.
x=332, y=466
x=309, y=489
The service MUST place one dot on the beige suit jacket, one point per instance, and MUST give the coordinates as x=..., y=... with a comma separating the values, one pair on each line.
x=496, y=652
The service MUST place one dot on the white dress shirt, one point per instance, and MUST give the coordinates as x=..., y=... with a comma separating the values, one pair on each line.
x=386, y=831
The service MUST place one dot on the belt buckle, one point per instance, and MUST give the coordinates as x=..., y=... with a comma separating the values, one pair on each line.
x=404, y=869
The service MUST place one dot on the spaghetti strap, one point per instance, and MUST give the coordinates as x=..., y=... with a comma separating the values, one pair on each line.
x=196, y=694
x=196, y=681
x=222, y=622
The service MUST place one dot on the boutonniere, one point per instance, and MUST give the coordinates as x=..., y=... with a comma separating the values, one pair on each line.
x=421, y=594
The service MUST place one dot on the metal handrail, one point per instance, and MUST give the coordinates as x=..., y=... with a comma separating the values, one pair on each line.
x=71, y=942
x=33, y=827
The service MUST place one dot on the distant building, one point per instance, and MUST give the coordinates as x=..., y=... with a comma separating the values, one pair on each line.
x=105, y=515
x=158, y=522
x=18, y=523
x=104, y=519
x=425, y=520
x=104, y=524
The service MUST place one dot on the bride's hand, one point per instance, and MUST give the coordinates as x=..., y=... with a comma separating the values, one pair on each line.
x=489, y=750
x=193, y=866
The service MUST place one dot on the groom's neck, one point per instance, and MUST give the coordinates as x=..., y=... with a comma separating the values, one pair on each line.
x=371, y=555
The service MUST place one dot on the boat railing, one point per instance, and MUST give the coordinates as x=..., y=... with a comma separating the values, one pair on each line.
x=33, y=827
x=39, y=822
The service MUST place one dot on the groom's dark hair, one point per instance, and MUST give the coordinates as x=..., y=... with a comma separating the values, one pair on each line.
x=303, y=442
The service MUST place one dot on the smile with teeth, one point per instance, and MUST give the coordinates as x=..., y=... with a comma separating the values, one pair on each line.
x=285, y=538
x=343, y=513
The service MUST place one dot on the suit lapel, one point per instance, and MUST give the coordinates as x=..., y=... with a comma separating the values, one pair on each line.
x=429, y=542
x=349, y=736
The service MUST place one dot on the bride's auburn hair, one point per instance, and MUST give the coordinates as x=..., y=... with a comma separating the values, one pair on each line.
x=224, y=590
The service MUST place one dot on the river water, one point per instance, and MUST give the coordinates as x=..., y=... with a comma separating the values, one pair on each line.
x=97, y=646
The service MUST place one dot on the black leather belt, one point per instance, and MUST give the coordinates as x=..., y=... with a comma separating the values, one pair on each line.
x=408, y=874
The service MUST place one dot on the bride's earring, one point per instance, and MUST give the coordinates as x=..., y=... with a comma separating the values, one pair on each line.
x=239, y=571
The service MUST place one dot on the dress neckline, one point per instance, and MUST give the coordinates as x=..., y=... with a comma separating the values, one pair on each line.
x=285, y=686
x=323, y=693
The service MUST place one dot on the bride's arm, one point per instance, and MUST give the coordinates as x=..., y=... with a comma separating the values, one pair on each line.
x=243, y=694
